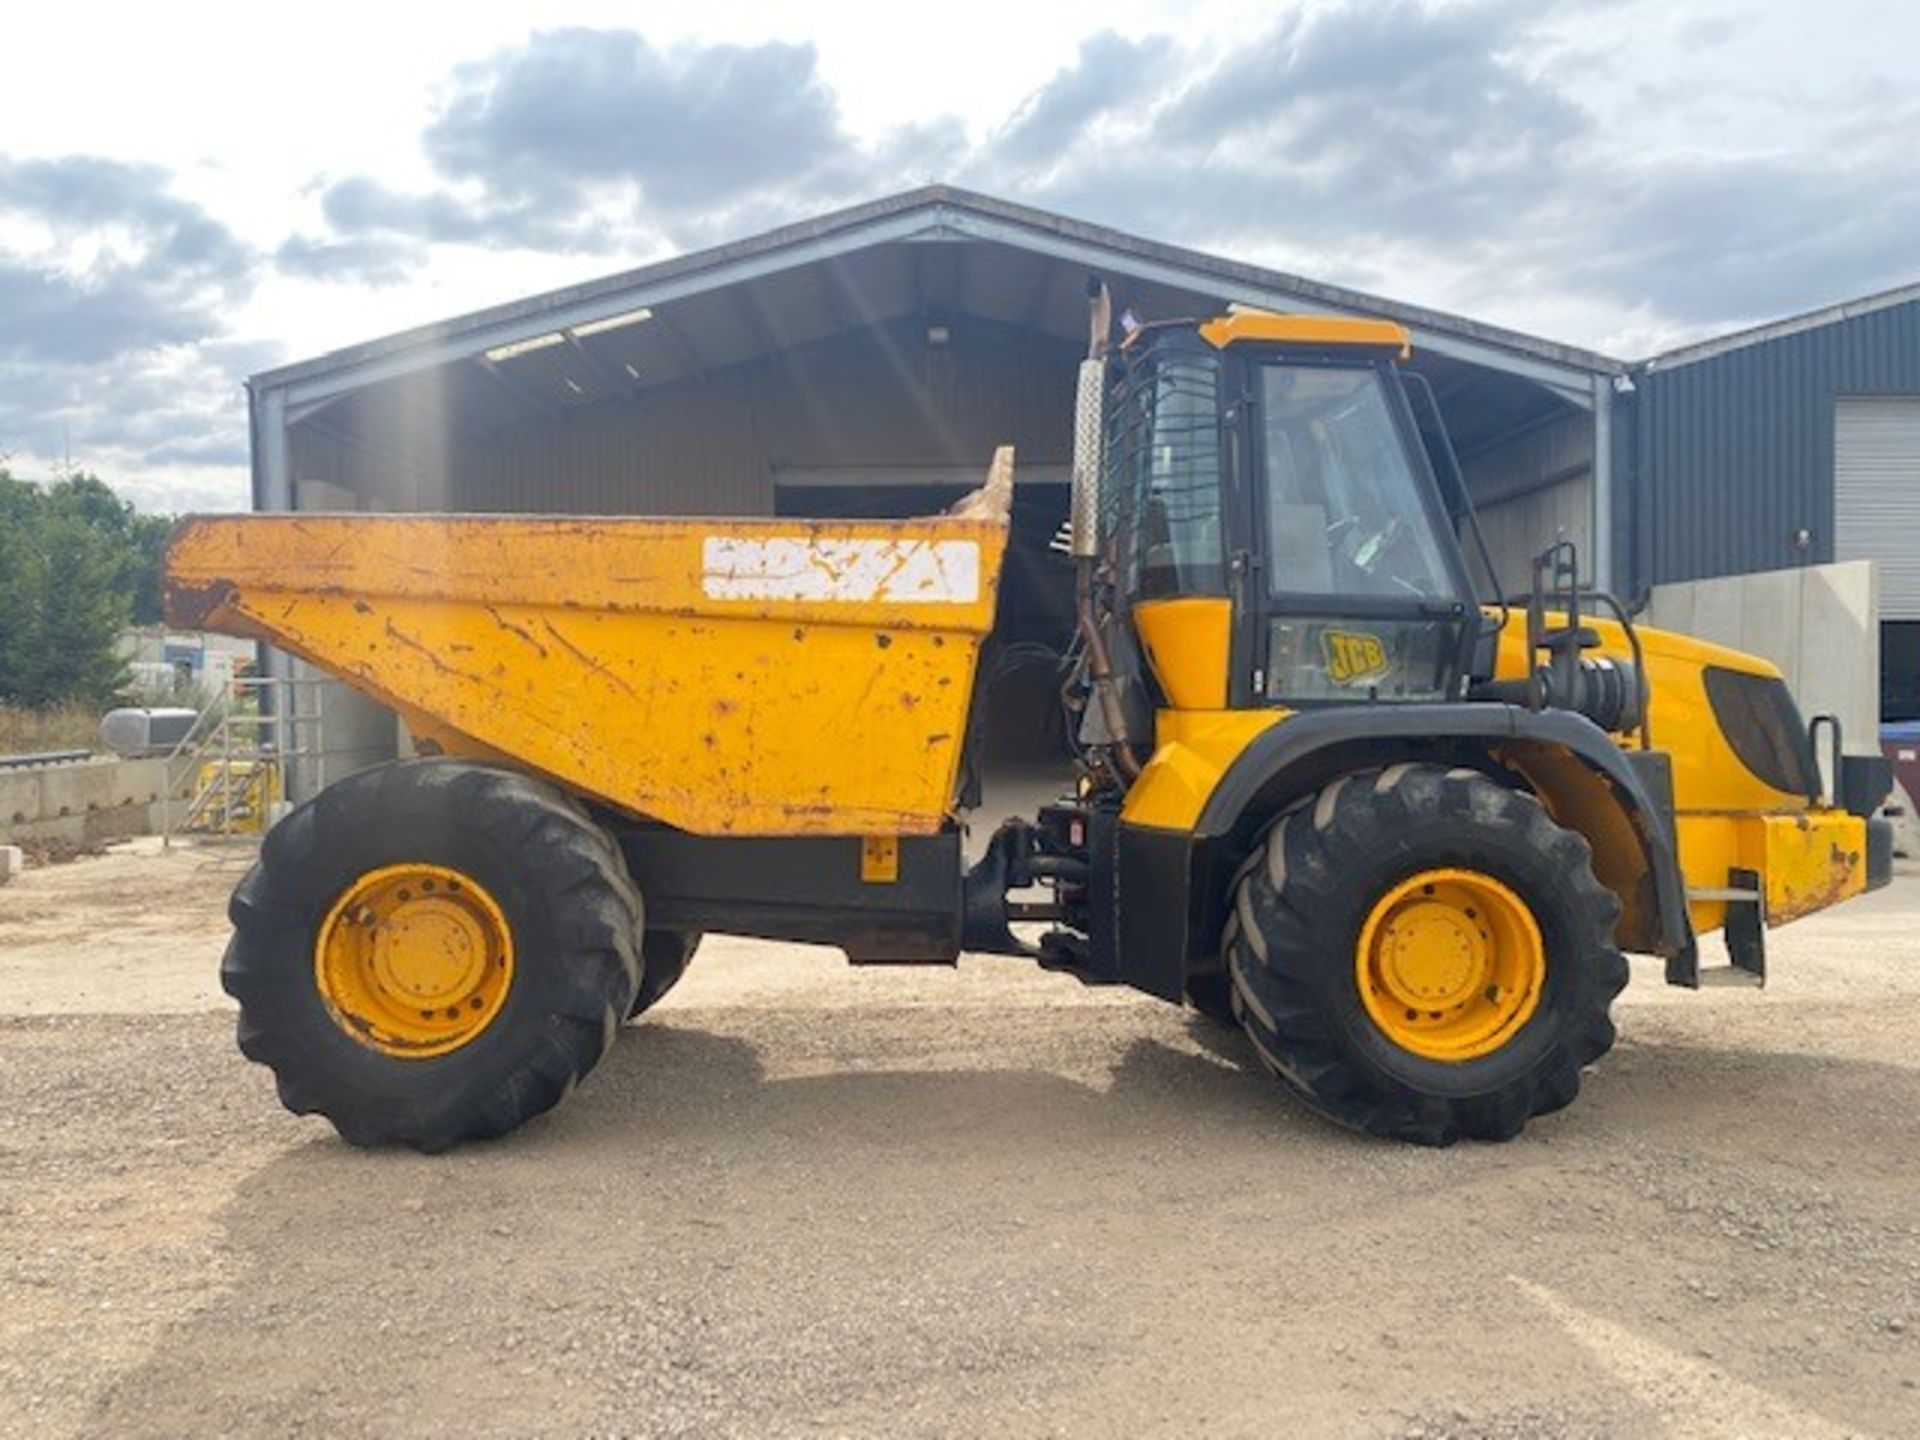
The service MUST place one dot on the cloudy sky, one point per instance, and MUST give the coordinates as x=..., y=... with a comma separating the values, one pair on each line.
x=191, y=193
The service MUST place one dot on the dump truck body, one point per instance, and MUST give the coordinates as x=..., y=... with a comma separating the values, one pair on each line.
x=724, y=677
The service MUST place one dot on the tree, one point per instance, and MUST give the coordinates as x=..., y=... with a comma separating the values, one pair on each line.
x=139, y=541
x=146, y=559
x=19, y=531
x=76, y=564
x=76, y=608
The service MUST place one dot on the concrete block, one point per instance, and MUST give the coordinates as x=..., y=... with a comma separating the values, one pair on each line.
x=139, y=782
x=76, y=789
x=19, y=798
x=1670, y=607
x=1819, y=624
x=1771, y=616
x=1716, y=611
x=85, y=802
x=1840, y=671
x=12, y=861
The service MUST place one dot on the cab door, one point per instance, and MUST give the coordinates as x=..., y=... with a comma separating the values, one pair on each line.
x=1168, y=450
x=1362, y=594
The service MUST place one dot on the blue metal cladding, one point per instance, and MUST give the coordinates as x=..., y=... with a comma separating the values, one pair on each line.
x=1734, y=452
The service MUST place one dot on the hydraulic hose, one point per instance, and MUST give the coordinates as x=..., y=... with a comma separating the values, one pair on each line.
x=1100, y=671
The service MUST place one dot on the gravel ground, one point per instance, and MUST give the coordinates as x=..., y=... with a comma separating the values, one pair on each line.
x=801, y=1199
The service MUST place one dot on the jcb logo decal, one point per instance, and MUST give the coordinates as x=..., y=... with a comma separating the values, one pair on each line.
x=1353, y=657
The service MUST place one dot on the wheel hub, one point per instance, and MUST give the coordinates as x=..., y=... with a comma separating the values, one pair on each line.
x=1432, y=956
x=1450, y=964
x=414, y=960
x=432, y=952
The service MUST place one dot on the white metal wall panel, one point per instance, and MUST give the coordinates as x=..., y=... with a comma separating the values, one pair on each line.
x=1531, y=490
x=1520, y=528
x=1876, y=494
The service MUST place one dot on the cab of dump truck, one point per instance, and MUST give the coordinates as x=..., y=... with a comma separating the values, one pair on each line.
x=1279, y=531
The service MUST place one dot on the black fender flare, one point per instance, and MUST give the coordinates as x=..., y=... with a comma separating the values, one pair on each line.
x=1307, y=749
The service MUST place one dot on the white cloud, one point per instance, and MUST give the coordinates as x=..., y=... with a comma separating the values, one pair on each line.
x=1623, y=175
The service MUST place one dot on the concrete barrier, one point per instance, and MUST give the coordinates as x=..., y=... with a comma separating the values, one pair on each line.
x=1820, y=624
x=86, y=802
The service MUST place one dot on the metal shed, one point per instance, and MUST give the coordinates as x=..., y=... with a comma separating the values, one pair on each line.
x=867, y=360
x=1792, y=444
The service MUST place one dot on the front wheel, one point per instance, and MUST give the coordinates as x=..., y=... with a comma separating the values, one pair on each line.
x=1423, y=954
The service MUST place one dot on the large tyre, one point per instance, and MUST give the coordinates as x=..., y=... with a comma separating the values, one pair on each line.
x=664, y=957
x=432, y=951
x=1422, y=954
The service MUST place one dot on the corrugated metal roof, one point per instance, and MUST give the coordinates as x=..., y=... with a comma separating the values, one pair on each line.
x=933, y=212
x=1780, y=329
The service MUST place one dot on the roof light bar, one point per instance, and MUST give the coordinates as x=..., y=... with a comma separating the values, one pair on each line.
x=613, y=322
x=526, y=347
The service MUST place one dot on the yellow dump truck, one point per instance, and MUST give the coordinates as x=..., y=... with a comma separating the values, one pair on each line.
x=1399, y=835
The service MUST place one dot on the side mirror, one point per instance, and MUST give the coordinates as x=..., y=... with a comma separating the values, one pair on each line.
x=1089, y=432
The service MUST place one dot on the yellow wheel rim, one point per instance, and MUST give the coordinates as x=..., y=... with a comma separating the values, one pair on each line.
x=1450, y=964
x=414, y=960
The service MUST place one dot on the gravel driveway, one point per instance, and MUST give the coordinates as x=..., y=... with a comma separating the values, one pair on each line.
x=803, y=1199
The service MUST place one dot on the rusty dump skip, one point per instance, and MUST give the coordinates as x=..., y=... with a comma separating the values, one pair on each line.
x=727, y=676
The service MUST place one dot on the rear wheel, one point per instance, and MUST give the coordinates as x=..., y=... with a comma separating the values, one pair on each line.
x=1421, y=953
x=432, y=951
x=664, y=957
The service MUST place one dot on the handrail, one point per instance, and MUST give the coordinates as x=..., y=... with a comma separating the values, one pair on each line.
x=272, y=733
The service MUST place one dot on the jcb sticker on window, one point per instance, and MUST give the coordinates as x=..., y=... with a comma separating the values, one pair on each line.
x=1353, y=657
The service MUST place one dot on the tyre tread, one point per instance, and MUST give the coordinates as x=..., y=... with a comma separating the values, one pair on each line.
x=1288, y=880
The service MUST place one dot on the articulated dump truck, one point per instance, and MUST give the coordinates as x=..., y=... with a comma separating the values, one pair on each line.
x=1324, y=791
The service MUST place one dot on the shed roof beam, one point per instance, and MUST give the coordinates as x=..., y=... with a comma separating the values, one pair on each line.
x=525, y=394
x=602, y=373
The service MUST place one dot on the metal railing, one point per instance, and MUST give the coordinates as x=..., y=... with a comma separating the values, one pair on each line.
x=232, y=764
x=44, y=757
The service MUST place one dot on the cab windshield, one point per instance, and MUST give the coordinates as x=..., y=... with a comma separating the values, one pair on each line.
x=1366, y=598
x=1345, y=514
